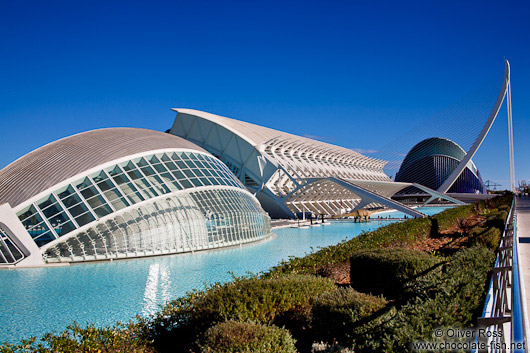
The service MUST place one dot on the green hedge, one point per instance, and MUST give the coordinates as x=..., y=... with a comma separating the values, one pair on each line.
x=489, y=237
x=240, y=337
x=337, y=314
x=285, y=301
x=451, y=295
x=451, y=216
x=387, y=271
x=394, y=235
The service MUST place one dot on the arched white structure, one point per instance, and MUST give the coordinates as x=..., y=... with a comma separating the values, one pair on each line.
x=291, y=174
x=505, y=90
x=121, y=193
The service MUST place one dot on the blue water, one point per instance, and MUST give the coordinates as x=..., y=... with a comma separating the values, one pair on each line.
x=39, y=300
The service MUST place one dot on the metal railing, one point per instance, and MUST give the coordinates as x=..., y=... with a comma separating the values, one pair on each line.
x=501, y=326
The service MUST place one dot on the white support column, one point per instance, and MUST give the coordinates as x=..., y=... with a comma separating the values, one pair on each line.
x=510, y=137
x=471, y=152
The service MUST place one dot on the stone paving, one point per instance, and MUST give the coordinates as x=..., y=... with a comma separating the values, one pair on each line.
x=523, y=235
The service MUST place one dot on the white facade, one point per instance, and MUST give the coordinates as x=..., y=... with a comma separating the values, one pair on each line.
x=290, y=174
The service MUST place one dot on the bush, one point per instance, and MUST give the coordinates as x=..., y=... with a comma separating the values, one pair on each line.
x=451, y=216
x=120, y=338
x=448, y=296
x=285, y=301
x=394, y=235
x=338, y=316
x=387, y=271
x=489, y=237
x=497, y=219
x=233, y=336
x=322, y=347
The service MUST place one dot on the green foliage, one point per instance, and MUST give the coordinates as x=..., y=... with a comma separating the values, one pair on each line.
x=337, y=314
x=497, y=219
x=233, y=336
x=446, y=293
x=387, y=271
x=394, y=235
x=489, y=237
x=285, y=300
x=450, y=217
x=120, y=338
x=451, y=296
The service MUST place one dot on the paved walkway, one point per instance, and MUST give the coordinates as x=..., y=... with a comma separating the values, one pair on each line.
x=523, y=233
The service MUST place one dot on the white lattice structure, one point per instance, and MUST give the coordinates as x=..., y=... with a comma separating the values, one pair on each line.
x=291, y=174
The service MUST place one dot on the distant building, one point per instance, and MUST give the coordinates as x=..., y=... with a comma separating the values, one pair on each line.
x=121, y=193
x=430, y=163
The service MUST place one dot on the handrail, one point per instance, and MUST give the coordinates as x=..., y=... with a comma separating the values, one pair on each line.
x=503, y=311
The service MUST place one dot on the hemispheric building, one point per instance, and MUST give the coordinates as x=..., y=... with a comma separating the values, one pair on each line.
x=121, y=193
x=432, y=160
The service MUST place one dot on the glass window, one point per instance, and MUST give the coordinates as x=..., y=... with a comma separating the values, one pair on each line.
x=29, y=211
x=64, y=228
x=111, y=193
x=102, y=210
x=84, y=218
x=83, y=184
x=44, y=238
x=34, y=223
x=50, y=207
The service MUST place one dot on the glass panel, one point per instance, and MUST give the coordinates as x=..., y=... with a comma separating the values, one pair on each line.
x=83, y=184
x=27, y=212
x=84, y=219
x=51, y=210
x=44, y=238
x=64, y=228
x=64, y=192
x=95, y=201
x=102, y=211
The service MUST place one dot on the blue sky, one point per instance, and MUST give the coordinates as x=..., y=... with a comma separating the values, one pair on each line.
x=353, y=73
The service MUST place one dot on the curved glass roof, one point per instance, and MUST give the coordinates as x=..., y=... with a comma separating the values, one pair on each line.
x=119, y=186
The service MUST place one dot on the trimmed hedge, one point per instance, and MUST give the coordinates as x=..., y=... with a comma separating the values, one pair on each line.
x=451, y=216
x=236, y=337
x=285, y=301
x=451, y=295
x=489, y=237
x=394, y=235
x=387, y=271
x=337, y=314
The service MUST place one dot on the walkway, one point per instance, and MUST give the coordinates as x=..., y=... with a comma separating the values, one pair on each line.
x=523, y=233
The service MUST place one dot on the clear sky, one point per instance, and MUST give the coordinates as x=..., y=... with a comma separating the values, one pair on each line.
x=353, y=73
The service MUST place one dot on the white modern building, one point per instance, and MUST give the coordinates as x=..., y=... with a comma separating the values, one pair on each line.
x=291, y=174
x=121, y=193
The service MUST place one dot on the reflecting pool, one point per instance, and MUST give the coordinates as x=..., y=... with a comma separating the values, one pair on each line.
x=39, y=300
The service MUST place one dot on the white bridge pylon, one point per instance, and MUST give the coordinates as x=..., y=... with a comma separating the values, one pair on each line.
x=505, y=92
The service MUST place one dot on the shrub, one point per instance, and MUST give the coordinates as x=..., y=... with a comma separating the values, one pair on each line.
x=342, y=314
x=285, y=300
x=91, y=339
x=449, y=296
x=387, y=271
x=394, y=235
x=233, y=336
x=489, y=237
x=497, y=219
x=451, y=216
x=322, y=347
